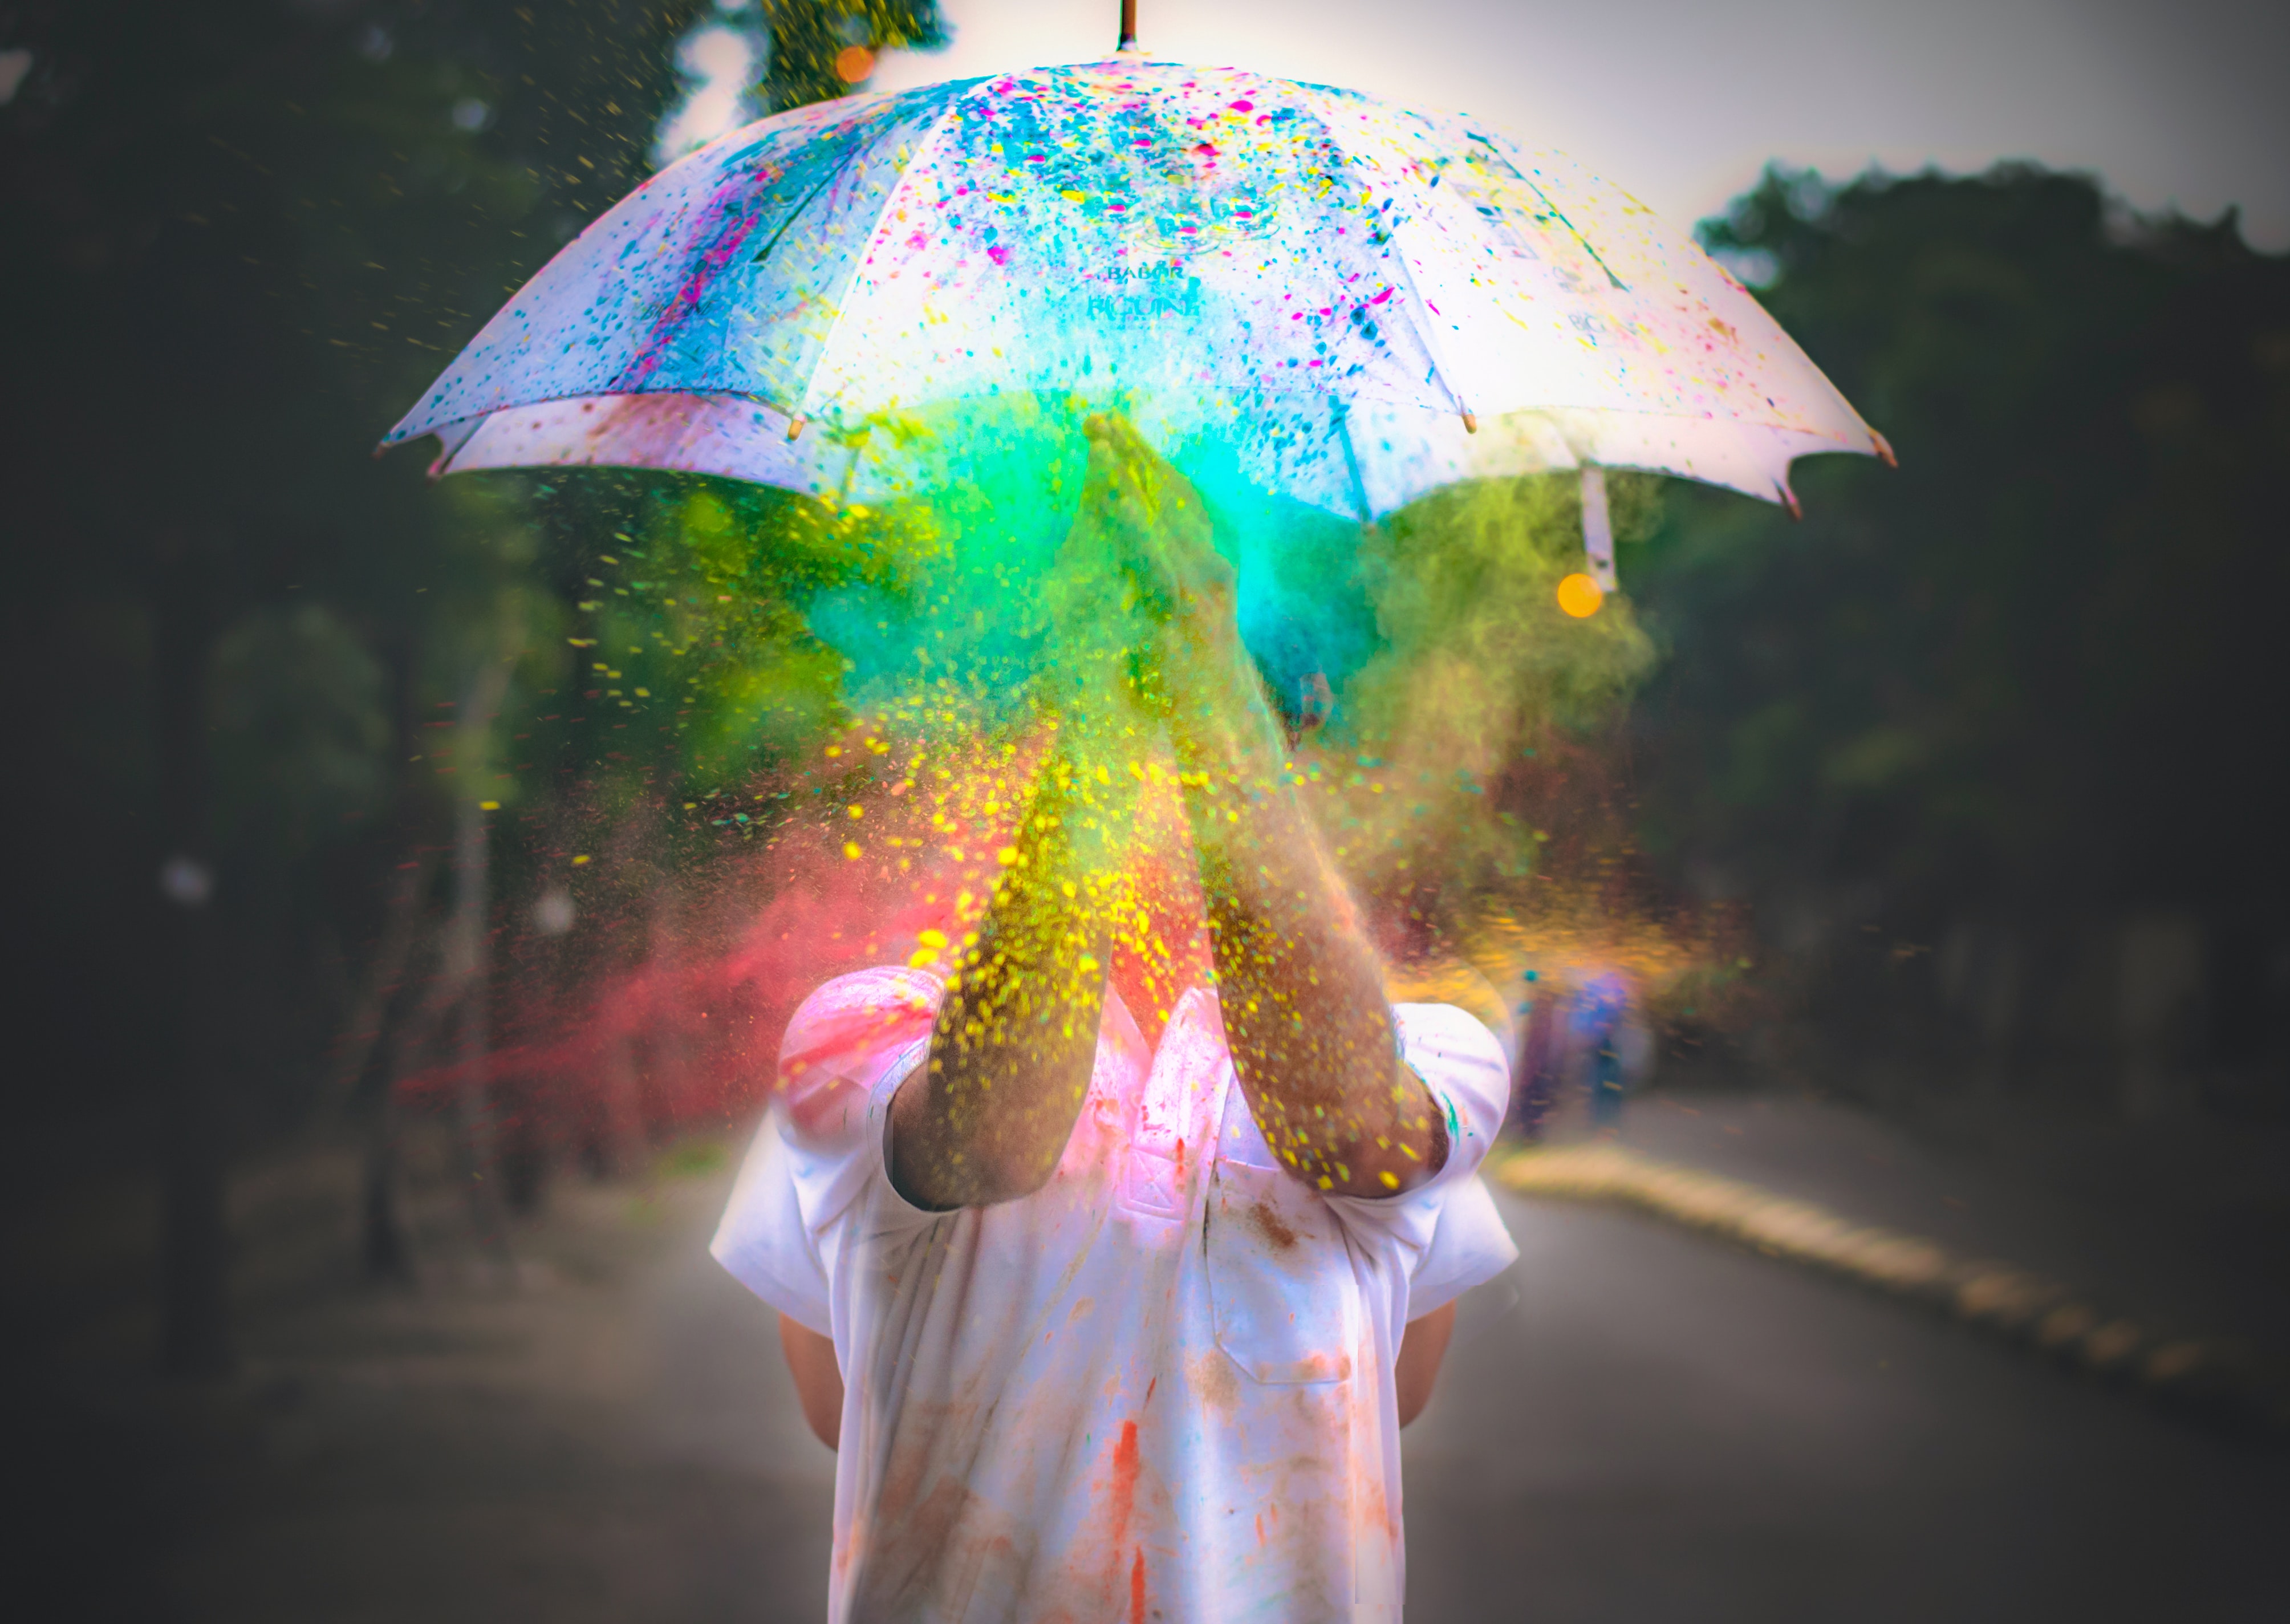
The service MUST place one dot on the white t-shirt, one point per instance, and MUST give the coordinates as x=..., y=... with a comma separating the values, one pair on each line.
x=1158, y=1388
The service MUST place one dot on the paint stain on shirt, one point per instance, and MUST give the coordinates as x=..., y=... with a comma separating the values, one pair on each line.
x=1211, y=1375
x=1124, y=1496
x=1272, y=1227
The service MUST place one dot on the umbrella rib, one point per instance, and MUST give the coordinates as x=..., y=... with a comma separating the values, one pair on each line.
x=1559, y=215
x=810, y=197
x=647, y=358
x=1431, y=344
x=1351, y=458
x=1556, y=213
x=936, y=131
x=1418, y=307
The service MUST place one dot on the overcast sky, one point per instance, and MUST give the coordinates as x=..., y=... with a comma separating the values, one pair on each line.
x=1681, y=102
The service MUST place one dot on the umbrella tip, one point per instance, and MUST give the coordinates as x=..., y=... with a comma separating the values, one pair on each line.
x=1128, y=27
x=1789, y=502
x=795, y=428
x=1471, y=421
x=1883, y=450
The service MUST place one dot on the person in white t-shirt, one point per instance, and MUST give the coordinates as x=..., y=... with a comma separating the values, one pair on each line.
x=1108, y=1328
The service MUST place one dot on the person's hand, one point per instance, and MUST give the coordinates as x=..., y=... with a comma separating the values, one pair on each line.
x=1088, y=674
x=1099, y=624
x=1188, y=654
x=1161, y=536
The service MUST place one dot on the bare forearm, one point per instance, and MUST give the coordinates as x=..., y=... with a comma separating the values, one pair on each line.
x=1300, y=986
x=1012, y=1051
x=818, y=1379
x=1311, y=1035
x=1422, y=1348
x=1288, y=950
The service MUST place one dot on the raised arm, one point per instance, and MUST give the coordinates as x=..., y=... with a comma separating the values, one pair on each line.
x=989, y=1116
x=1300, y=986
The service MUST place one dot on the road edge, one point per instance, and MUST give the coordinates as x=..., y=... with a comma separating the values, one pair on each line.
x=2215, y=1379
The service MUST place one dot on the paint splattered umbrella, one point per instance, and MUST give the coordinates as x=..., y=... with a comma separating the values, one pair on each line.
x=1361, y=302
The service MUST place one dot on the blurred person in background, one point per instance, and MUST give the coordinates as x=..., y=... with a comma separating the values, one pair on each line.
x=1541, y=1056
x=1595, y=1029
x=1637, y=1051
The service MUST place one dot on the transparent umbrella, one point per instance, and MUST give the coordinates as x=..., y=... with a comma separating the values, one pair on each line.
x=1361, y=301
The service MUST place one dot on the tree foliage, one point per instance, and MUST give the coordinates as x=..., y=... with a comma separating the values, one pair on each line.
x=235, y=242
x=810, y=38
x=2032, y=674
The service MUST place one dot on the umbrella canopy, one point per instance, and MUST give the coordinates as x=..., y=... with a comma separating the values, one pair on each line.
x=1365, y=301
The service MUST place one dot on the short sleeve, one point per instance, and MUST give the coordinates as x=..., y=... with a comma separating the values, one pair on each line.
x=1469, y=1245
x=816, y=1168
x=1463, y=1065
x=762, y=1241
x=1447, y=1231
x=838, y=1046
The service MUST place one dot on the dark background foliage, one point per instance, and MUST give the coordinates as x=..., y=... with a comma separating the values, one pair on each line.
x=234, y=241
x=2027, y=687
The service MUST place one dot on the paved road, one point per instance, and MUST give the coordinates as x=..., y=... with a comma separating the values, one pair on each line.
x=1636, y=1425
x=1639, y=1426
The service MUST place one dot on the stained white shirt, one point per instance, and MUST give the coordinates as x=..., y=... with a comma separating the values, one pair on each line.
x=1159, y=1388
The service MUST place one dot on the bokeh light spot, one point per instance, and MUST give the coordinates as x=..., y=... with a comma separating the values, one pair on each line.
x=1579, y=596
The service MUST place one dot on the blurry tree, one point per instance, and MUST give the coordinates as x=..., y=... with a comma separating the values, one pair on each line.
x=2028, y=681
x=235, y=242
x=742, y=59
x=819, y=48
x=1484, y=725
